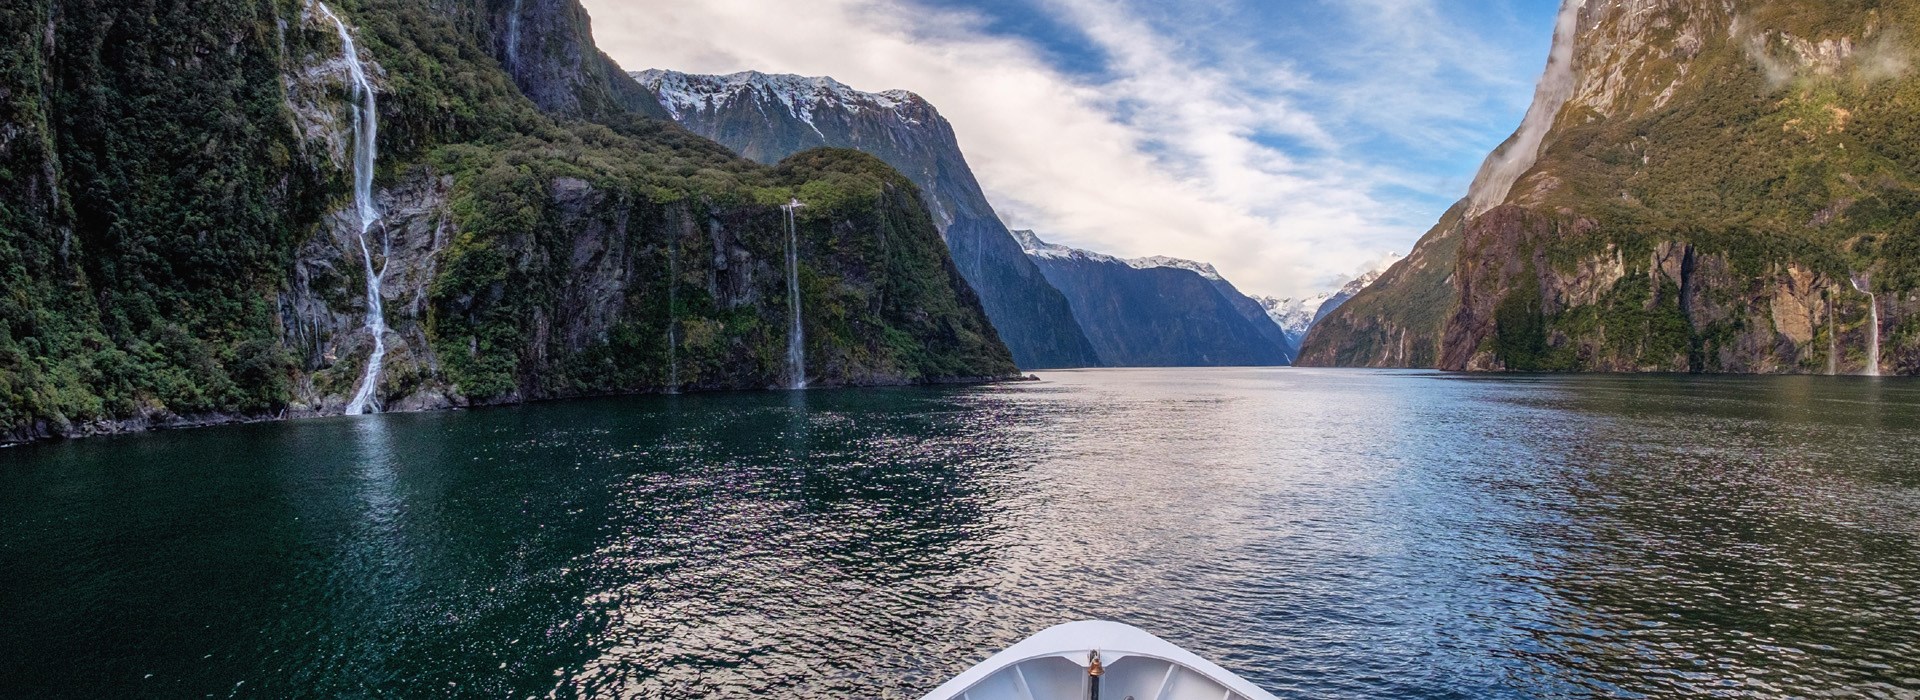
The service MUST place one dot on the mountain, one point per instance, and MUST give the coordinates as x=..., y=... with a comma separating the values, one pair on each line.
x=545, y=46
x=230, y=210
x=1295, y=317
x=1158, y=312
x=769, y=117
x=1700, y=185
x=1246, y=306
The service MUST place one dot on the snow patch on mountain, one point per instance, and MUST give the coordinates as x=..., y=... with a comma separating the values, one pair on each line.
x=1294, y=316
x=1373, y=273
x=1031, y=243
x=803, y=96
x=1298, y=316
x=1204, y=269
x=1042, y=249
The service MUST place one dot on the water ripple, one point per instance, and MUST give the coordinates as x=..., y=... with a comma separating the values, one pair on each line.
x=1326, y=534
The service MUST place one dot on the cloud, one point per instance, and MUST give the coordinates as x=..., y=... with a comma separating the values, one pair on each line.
x=1177, y=147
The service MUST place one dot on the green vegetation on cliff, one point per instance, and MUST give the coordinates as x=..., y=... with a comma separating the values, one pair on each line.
x=1704, y=202
x=149, y=196
x=165, y=168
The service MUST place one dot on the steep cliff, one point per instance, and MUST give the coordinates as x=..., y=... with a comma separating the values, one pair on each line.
x=769, y=117
x=1159, y=312
x=1701, y=185
x=182, y=239
x=547, y=48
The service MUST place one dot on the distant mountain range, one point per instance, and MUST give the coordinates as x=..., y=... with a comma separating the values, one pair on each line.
x=1159, y=311
x=769, y=117
x=1296, y=317
x=1053, y=310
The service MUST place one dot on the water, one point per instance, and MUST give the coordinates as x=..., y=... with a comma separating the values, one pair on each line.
x=1865, y=285
x=796, y=334
x=1515, y=157
x=366, y=137
x=513, y=37
x=1326, y=534
x=673, y=316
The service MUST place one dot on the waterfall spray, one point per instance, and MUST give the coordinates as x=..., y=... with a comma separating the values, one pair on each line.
x=366, y=133
x=1864, y=283
x=796, y=336
x=513, y=37
x=1515, y=157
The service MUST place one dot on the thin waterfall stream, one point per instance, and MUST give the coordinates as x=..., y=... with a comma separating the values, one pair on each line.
x=366, y=131
x=796, y=335
x=673, y=315
x=513, y=37
x=1864, y=283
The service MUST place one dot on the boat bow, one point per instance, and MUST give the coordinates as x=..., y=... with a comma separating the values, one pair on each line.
x=1092, y=660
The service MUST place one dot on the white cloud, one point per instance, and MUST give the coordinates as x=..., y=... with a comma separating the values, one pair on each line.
x=1169, y=154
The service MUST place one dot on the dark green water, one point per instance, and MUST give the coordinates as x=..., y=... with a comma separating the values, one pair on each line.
x=1325, y=534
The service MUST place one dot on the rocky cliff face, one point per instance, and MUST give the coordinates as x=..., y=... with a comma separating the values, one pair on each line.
x=1159, y=312
x=180, y=245
x=547, y=48
x=1698, y=188
x=769, y=117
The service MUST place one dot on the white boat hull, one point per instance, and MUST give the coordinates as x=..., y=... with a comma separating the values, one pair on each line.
x=1056, y=664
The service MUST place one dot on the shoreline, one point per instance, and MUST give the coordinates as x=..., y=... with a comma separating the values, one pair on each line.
x=42, y=432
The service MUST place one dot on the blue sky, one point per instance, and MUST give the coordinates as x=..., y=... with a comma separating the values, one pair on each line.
x=1290, y=142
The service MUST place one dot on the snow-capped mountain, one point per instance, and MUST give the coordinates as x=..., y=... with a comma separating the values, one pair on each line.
x=1159, y=311
x=1296, y=317
x=1203, y=269
x=1034, y=247
x=686, y=95
x=767, y=117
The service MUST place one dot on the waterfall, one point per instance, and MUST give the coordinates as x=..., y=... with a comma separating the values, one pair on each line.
x=1864, y=283
x=366, y=133
x=796, y=336
x=1515, y=157
x=513, y=37
x=673, y=315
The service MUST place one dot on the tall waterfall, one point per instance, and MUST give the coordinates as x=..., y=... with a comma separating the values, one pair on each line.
x=673, y=315
x=796, y=336
x=513, y=37
x=1515, y=157
x=366, y=134
x=1864, y=283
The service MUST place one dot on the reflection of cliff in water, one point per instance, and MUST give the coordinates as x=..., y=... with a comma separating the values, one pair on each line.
x=812, y=512
x=1761, y=557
